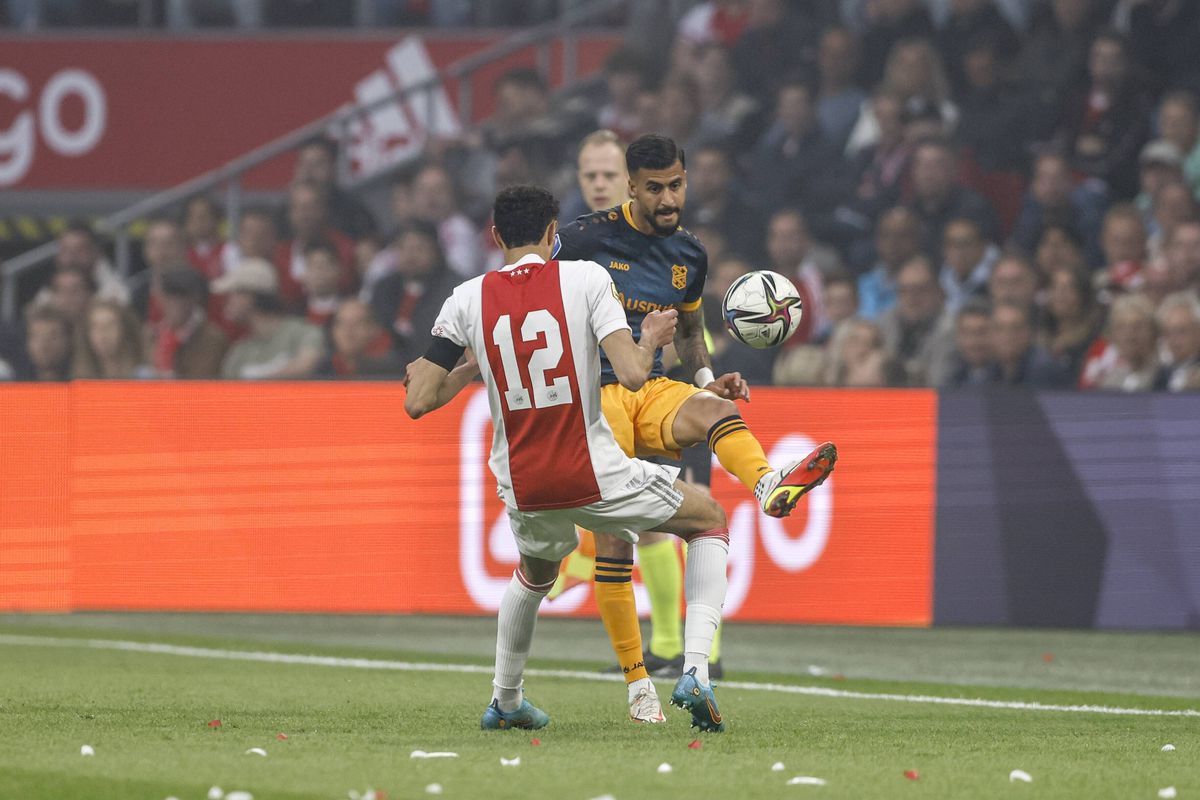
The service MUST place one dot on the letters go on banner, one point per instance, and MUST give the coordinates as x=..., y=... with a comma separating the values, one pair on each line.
x=325, y=498
x=148, y=113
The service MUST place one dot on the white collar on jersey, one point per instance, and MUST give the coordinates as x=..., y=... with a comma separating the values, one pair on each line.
x=527, y=259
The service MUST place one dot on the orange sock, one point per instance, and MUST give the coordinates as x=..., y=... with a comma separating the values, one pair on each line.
x=738, y=451
x=614, y=597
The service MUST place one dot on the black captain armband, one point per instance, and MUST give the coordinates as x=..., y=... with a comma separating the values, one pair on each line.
x=444, y=353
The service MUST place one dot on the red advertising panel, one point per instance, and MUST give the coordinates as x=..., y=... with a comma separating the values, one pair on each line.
x=325, y=497
x=144, y=112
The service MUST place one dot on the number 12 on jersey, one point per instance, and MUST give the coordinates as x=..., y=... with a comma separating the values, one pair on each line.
x=539, y=322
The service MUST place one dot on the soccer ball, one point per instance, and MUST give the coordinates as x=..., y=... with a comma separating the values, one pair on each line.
x=762, y=309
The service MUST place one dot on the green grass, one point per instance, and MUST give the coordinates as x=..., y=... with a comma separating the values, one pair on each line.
x=147, y=714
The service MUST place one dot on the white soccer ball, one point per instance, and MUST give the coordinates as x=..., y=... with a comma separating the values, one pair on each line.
x=762, y=309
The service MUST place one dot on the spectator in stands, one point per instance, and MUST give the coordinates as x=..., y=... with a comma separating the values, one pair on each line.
x=839, y=99
x=897, y=239
x=361, y=348
x=435, y=202
x=938, y=196
x=626, y=75
x=1159, y=164
x=793, y=163
x=917, y=331
x=995, y=113
x=278, y=347
x=776, y=43
x=47, y=344
x=1105, y=122
x=725, y=112
x=1181, y=254
x=1054, y=198
x=308, y=219
x=600, y=172
x=109, y=345
x=1179, y=124
x=1164, y=37
x=887, y=25
x=185, y=344
x=1123, y=241
x=971, y=362
x=202, y=233
x=1013, y=282
x=162, y=248
x=322, y=273
x=714, y=200
x=792, y=253
x=969, y=23
x=678, y=112
x=916, y=75
x=720, y=21
x=1059, y=248
x=78, y=247
x=71, y=290
x=877, y=175
x=858, y=357
x=1130, y=362
x=1179, y=321
x=523, y=112
x=1054, y=54
x=1173, y=205
x=407, y=302
x=967, y=261
x=1016, y=360
x=316, y=162
x=841, y=302
x=1072, y=320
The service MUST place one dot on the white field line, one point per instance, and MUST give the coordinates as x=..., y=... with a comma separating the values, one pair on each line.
x=416, y=666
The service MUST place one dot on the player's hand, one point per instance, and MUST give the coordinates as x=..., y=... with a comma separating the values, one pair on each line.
x=658, y=328
x=407, y=374
x=730, y=386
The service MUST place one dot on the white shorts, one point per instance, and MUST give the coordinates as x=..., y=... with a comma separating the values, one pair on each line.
x=652, y=499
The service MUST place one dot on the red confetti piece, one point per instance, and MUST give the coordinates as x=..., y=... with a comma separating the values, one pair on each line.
x=535, y=742
x=912, y=774
x=214, y=723
x=281, y=737
x=1048, y=657
x=695, y=744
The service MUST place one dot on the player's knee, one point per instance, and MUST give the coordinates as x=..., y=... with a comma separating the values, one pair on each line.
x=713, y=514
x=608, y=546
x=538, y=570
x=720, y=409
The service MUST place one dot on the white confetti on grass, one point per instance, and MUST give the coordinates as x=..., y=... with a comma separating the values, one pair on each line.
x=1168, y=748
x=256, y=751
x=87, y=750
x=664, y=768
x=215, y=793
x=1168, y=793
x=806, y=780
x=777, y=767
x=1019, y=775
x=423, y=754
x=239, y=796
x=433, y=788
x=510, y=762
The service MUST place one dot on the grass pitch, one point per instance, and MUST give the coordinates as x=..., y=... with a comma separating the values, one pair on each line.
x=351, y=725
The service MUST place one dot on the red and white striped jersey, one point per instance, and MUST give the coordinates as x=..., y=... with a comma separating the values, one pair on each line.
x=535, y=328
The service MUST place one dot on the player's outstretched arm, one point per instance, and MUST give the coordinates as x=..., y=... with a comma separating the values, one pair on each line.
x=693, y=354
x=430, y=386
x=633, y=361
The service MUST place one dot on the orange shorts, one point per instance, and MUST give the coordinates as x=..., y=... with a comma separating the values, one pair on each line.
x=641, y=421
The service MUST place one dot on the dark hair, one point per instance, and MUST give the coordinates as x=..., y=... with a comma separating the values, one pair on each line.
x=82, y=227
x=267, y=303
x=522, y=214
x=652, y=151
x=185, y=282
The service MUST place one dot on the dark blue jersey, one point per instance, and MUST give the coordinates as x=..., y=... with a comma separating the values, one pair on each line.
x=652, y=273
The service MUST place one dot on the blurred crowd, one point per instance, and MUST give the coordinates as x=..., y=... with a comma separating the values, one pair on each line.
x=965, y=192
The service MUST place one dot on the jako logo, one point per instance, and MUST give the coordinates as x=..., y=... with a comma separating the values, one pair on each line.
x=19, y=140
x=746, y=524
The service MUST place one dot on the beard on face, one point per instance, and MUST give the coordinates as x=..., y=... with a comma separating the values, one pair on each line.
x=665, y=229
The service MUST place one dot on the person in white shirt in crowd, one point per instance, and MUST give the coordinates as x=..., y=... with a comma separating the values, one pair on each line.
x=278, y=347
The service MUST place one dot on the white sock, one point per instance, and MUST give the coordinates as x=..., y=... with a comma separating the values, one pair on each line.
x=637, y=686
x=705, y=583
x=514, y=636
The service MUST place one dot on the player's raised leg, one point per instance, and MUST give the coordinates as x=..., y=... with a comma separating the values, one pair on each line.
x=514, y=637
x=716, y=420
